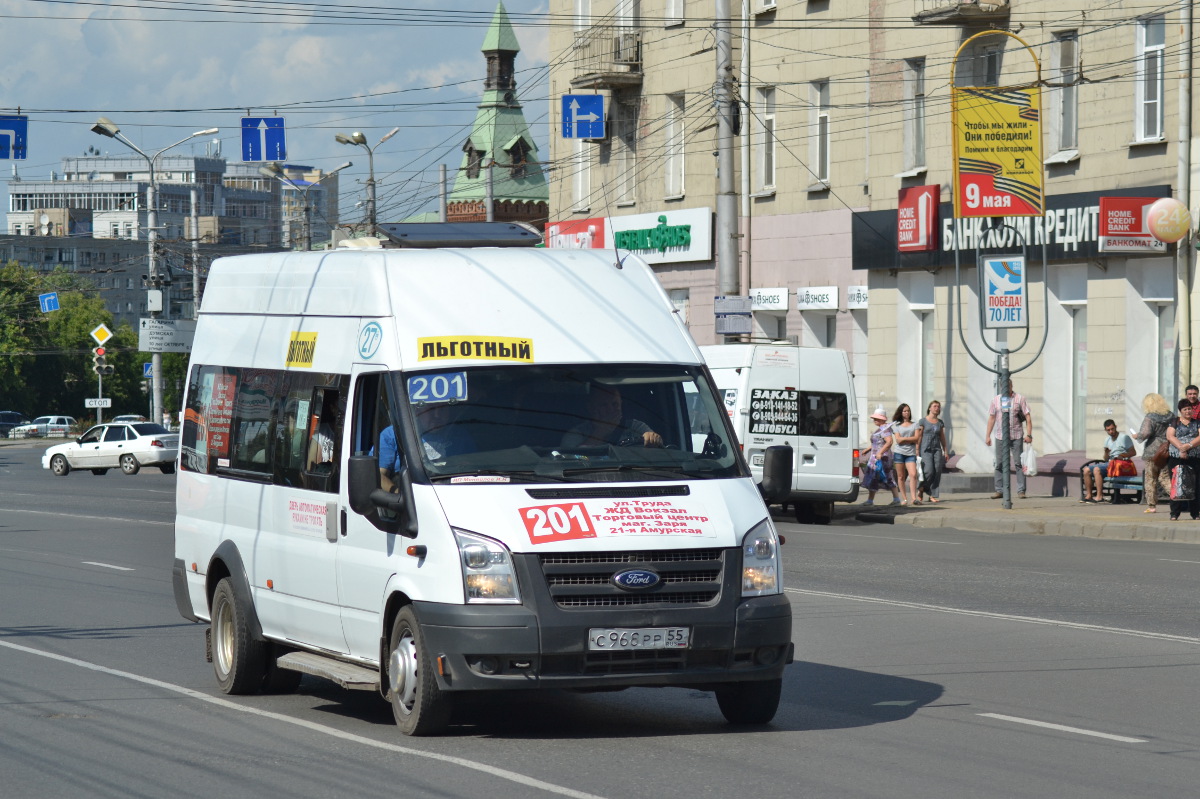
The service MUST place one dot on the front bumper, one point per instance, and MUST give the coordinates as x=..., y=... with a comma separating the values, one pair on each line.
x=541, y=645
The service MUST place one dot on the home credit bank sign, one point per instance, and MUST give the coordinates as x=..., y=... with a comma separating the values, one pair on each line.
x=1124, y=225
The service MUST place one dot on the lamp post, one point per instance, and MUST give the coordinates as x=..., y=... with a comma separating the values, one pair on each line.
x=359, y=139
x=106, y=127
x=276, y=171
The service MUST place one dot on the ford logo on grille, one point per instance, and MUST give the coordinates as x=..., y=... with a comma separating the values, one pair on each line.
x=636, y=579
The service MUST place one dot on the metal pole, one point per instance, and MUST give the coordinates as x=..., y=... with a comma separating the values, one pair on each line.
x=195, y=254
x=728, y=271
x=1183, y=253
x=443, y=204
x=307, y=221
x=99, y=395
x=371, y=189
x=156, y=386
x=489, y=199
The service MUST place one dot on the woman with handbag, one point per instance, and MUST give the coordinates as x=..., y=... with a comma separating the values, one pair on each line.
x=934, y=451
x=1183, y=458
x=1154, y=454
x=878, y=473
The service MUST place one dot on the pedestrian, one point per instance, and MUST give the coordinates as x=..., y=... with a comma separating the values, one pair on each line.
x=934, y=451
x=907, y=434
x=878, y=473
x=1183, y=460
x=1019, y=419
x=1154, y=435
x=1117, y=447
x=1192, y=395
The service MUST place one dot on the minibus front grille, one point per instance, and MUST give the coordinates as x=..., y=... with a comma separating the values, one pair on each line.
x=593, y=492
x=688, y=577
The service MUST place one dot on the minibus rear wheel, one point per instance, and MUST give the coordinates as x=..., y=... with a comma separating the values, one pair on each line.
x=419, y=705
x=239, y=659
x=749, y=702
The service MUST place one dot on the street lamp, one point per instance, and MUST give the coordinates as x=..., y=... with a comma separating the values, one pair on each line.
x=106, y=127
x=276, y=172
x=359, y=139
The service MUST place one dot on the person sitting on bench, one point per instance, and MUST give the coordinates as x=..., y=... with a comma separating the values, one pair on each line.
x=1118, y=446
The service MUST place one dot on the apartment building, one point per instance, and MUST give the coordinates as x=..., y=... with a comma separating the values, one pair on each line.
x=844, y=115
x=298, y=190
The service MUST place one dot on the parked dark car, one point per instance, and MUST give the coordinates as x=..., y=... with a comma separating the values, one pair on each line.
x=9, y=420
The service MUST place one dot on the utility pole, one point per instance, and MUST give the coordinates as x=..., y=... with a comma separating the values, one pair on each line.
x=195, y=197
x=728, y=268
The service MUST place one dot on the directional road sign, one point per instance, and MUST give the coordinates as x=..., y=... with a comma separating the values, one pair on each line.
x=263, y=139
x=49, y=302
x=583, y=116
x=13, y=132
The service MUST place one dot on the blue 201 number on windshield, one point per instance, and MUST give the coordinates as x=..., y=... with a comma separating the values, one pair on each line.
x=441, y=387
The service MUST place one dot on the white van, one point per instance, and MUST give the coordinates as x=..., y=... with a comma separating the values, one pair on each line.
x=431, y=471
x=802, y=397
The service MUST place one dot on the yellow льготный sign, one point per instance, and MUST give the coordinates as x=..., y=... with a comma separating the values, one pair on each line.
x=301, y=349
x=998, y=152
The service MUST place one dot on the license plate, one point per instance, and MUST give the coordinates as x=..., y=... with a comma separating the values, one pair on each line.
x=625, y=638
x=757, y=459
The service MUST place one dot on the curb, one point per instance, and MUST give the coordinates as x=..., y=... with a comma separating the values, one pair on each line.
x=1177, y=533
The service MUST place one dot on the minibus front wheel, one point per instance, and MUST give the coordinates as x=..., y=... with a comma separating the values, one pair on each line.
x=239, y=659
x=419, y=705
x=750, y=702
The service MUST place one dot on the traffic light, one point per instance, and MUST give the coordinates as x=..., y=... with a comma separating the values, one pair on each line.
x=98, y=362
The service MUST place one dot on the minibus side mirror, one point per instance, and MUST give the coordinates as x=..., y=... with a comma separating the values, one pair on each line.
x=776, y=483
x=367, y=498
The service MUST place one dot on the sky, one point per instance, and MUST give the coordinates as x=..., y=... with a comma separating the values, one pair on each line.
x=161, y=69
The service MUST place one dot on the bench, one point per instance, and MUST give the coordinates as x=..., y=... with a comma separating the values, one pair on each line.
x=1111, y=490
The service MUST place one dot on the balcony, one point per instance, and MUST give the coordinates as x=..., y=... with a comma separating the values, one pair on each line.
x=607, y=57
x=960, y=12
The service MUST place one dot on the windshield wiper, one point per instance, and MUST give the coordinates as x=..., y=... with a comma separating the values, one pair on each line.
x=514, y=476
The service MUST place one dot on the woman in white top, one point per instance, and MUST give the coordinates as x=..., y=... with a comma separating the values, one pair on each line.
x=908, y=439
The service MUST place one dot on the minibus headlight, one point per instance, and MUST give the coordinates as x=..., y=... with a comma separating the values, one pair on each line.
x=487, y=568
x=762, y=571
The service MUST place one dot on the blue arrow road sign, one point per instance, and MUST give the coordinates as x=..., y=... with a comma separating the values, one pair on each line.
x=13, y=132
x=49, y=301
x=583, y=116
x=262, y=139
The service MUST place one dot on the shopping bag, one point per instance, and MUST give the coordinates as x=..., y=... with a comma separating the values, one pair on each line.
x=920, y=469
x=1183, y=487
x=1029, y=461
x=1121, y=467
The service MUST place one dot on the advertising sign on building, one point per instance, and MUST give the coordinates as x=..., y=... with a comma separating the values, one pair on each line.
x=665, y=237
x=1123, y=225
x=997, y=151
x=856, y=298
x=576, y=234
x=817, y=298
x=769, y=299
x=1005, y=302
x=916, y=218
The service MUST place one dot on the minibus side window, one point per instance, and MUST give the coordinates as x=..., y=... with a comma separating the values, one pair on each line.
x=326, y=417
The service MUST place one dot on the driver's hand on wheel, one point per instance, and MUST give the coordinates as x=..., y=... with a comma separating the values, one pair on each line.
x=651, y=439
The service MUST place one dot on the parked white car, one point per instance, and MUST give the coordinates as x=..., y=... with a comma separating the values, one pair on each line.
x=44, y=426
x=108, y=446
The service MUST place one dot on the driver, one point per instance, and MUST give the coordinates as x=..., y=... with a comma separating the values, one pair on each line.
x=607, y=425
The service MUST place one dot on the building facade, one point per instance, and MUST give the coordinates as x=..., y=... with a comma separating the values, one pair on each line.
x=843, y=110
x=300, y=190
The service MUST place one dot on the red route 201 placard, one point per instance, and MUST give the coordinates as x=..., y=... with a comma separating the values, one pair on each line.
x=564, y=522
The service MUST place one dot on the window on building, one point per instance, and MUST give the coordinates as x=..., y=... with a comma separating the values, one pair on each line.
x=764, y=138
x=1148, y=95
x=625, y=120
x=914, y=114
x=673, y=164
x=581, y=175
x=519, y=155
x=819, y=141
x=474, y=159
x=1064, y=118
x=674, y=13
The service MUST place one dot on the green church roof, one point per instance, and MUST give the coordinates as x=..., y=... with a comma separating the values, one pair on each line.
x=500, y=34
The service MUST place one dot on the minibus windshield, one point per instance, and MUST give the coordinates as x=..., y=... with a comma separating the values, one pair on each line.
x=568, y=423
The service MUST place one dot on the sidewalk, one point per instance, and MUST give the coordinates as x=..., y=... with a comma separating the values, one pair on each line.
x=1036, y=515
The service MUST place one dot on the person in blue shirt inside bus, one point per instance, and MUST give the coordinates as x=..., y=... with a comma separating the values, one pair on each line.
x=441, y=438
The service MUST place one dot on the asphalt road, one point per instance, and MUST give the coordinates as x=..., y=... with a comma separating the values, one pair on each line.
x=944, y=664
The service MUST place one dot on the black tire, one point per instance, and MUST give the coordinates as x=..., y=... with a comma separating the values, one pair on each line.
x=822, y=512
x=99, y=472
x=275, y=679
x=750, y=702
x=167, y=468
x=805, y=513
x=59, y=465
x=239, y=659
x=129, y=464
x=419, y=705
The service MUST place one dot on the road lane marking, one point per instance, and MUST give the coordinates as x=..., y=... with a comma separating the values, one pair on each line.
x=505, y=774
x=1064, y=728
x=85, y=516
x=1171, y=560
x=884, y=537
x=1182, y=639
x=107, y=566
